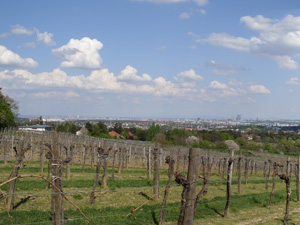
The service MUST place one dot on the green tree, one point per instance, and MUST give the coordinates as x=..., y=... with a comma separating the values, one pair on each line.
x=8, y=111
x=297, y=143
x=67, y=128
x=89, y=127
x=141, y=134
x=118, y=127
x=226, y=136
x=152, y=131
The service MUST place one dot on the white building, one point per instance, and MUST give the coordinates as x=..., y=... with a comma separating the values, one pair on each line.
x=39, y=128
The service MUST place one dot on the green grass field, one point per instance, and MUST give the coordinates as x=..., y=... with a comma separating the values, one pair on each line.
x=132, y=188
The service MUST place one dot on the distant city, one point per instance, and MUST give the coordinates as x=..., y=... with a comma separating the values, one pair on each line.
x=171, y=123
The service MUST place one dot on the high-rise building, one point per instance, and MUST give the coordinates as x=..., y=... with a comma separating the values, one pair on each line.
x=239, y=117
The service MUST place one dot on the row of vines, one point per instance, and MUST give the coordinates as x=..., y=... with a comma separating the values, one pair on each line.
x=58, y=158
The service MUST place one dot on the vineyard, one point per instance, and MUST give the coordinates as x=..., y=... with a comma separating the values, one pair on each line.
x=57, y=178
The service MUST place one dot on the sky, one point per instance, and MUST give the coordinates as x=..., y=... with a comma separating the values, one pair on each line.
x=152, y=58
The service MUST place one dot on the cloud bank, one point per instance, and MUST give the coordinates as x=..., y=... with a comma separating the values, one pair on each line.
x=276, y=39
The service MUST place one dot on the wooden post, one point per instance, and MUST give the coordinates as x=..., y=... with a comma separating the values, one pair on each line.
x=126, y=157
x=224, y=167
x=69, y=153
x=104, y=176
x=240, y=172
x=120, y=161
x=268, y=175
x=84, y=153
x=298, y=179
x=229, y=177
x=193, y=173
x=57, y=214
x=92, y=156
x=246, y=169
x=5, y=149
x=178, y=159
x=144, y=156
x=274, y=183
x=149, y=164
x=41, y=159
x=156, y=173
x=113, y=164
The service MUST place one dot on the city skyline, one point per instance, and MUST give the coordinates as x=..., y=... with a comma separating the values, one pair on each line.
x=152, y=58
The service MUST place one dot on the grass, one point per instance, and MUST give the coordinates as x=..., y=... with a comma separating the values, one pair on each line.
x=131, y=188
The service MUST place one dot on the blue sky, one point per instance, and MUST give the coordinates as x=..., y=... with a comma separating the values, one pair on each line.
x=152, y=58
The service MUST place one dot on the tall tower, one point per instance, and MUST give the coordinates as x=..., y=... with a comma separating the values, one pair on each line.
x=239, y=117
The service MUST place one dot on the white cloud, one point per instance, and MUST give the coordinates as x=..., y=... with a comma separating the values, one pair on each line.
x=18, y=29
x=201, y=2
x=220, y=91
x=293, y=81
x=4, y=35
x=101, y=80
x=259, y=89
x=190, y=75
x=223, y=66
x=80, y=53
x=185, y=15
x=11, y=59
x=127, y=82
x=98, y=81
x=162, y=48
x=162, y=1
x=45, y=37
x=259, y=22
x=192, y=12
x=228, y=41
x=187, y=78
x=224, y=69
x=165, y=88
x=130, y=74
x=277, y=39
x=30, y=44
x=198, y=2
x=217, y=85
x=285, y=62
x=21, y=30
x=56, y=94
x=235, y=83
x=250, y=100
x=224, y=72
x=193, y=35
x=202, y=11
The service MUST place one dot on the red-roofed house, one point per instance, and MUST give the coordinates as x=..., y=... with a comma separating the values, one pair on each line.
x=115, y=134
x=130, y=135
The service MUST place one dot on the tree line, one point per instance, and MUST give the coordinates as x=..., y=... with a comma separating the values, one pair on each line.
x=256, y=138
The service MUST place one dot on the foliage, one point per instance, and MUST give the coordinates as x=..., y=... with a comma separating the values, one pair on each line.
x=152, y=131
x=118, y=127
x=97, y=130
x=8, y=111
x=67, y=127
